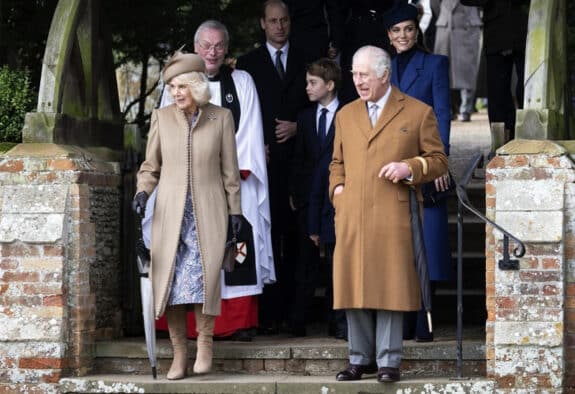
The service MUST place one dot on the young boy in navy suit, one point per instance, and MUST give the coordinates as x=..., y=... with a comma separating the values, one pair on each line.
x=309, y=189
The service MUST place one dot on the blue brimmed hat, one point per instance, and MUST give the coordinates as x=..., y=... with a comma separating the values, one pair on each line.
x=401, y=11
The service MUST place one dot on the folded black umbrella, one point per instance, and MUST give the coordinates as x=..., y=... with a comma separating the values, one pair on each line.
x=244, y=272
x=420, y=255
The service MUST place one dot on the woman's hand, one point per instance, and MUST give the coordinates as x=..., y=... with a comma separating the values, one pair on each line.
x=442, y=183
x=139, y=203
x=236, y=223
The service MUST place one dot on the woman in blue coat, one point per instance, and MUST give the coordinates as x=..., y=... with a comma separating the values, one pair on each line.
x=424, y=76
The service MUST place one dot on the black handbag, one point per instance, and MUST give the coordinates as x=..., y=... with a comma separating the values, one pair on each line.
x=244, y=272
x=433, y=197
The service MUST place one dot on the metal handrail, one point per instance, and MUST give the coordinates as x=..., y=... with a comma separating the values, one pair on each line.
x=505, y=264
x=461, y=190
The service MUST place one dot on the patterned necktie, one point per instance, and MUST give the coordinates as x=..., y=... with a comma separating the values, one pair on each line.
x=321, y=127
x=279, y=65
x=373, y=114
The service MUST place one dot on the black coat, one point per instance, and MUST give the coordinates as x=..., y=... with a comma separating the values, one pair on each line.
x=314, y=24
x=281, y=99
x=504, y=24
x=310, y=175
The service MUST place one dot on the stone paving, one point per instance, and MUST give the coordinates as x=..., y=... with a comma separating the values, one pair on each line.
x=468, y=138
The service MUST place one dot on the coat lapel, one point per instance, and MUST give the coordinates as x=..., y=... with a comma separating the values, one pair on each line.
x=331, y=130
x=363, y=121
x=411, y=72
x=312, y=135
x=393, y=106
x=290, y=66
x=268, y=66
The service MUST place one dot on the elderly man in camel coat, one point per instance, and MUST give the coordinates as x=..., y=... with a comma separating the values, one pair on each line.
x=379, y=154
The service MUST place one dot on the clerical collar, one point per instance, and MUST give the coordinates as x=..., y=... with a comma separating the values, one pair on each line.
x=224, y=69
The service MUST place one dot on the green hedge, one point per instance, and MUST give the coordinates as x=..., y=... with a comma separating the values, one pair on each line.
x=16, y=98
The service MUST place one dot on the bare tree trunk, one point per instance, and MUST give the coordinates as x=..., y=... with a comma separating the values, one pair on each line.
x=141, y=117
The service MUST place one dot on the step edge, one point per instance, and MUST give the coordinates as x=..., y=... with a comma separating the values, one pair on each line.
x=264, y=383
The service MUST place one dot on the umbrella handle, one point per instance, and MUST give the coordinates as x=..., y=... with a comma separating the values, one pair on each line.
x=429, y=322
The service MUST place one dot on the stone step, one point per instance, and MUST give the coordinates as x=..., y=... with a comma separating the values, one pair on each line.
x=279, y=384
x=312, y=355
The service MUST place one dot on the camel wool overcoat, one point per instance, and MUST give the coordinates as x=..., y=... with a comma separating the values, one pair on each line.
x=203, y=158
x=374, y=265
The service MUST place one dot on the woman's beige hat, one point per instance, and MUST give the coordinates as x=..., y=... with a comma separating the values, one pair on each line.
x=181, y=63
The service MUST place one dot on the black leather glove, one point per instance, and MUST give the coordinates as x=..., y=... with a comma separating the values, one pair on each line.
x=236, y=223
x=139, y=203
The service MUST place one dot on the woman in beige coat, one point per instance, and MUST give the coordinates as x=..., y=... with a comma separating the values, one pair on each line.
x=191, y=158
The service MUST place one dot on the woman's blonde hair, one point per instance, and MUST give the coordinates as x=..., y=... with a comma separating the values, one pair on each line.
x=198, y=85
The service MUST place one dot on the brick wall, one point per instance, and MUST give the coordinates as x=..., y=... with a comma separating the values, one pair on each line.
x=530, y=326
x=59, y=248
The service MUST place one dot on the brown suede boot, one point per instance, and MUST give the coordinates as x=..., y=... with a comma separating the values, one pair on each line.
x=205, y=328
x=178, y=327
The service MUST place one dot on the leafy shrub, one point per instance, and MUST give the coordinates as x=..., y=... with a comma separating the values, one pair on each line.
x=16, y=98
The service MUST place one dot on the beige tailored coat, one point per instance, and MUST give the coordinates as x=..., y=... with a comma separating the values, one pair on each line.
x=207, y=153
x=373, y=264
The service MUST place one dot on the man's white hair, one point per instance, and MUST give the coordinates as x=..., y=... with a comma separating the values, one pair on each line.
x=379, y=59
x=213, y=24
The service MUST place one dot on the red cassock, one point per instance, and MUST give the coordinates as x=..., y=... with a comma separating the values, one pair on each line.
x=237, y=313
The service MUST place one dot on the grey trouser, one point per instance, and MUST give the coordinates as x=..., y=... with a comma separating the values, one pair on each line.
x=375, y=334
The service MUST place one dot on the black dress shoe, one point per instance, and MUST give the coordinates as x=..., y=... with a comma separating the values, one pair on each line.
x=341, y=335
x=387, y=374
x=268, y=331
x=354, y=372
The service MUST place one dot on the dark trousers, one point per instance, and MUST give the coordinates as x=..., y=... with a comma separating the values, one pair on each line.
x=337, y=319
x=306, y=270
x=500, y=104
x=273, y=311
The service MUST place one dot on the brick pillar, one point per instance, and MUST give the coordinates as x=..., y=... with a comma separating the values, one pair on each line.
x=531, y=324
x=59, y=267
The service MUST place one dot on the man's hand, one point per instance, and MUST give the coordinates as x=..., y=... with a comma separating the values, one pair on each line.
x=314, y=238
x=291, y=203
x=285, y=130
x=395, y=171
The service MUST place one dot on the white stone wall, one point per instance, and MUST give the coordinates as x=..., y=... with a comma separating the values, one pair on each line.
x=530, y=194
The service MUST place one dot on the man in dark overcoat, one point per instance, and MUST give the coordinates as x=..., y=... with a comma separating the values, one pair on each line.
x=278, y=70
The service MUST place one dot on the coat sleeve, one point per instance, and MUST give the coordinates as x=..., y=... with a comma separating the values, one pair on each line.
x=442, y=100
x=336, y=167
x=229, y=166
x=316, y=198
x=149, y=173
x=432, y=161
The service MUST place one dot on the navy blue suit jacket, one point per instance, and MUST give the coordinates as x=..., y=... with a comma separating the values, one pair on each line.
x=310, y=174
x=426, y=78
